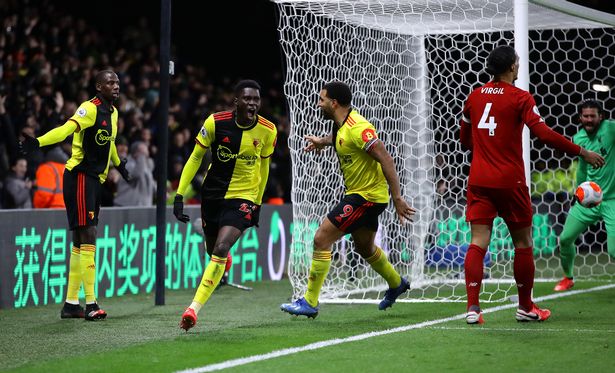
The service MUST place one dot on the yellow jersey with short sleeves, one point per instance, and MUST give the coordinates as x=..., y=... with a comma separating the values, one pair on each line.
x=362, y=173
x=96, y=129
x=237, y=153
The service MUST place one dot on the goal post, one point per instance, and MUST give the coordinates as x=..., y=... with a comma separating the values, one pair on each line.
x=410, y=65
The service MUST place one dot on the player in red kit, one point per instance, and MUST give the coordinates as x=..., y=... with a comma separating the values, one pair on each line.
x=491, y=127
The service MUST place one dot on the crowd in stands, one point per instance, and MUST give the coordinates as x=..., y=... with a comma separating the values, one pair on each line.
x=48, y=59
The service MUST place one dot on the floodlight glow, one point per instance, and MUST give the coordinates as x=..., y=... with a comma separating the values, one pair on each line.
x=600, y=87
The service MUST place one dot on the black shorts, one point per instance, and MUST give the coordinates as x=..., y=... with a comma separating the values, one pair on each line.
x=217, y=213
x=82, y=199
x=354, y=212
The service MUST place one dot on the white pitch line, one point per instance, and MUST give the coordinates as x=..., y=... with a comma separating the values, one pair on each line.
x=488, y=329
x=359, y=337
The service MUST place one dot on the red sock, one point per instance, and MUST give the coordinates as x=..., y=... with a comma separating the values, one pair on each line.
x=524, y=276
x=229, y=262
x=473, y=267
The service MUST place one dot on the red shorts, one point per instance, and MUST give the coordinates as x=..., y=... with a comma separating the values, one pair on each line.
x=511, y=204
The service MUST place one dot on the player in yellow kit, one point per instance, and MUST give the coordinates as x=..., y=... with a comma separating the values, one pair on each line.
x=369, y=173
x=242, y=143
x=94, y=126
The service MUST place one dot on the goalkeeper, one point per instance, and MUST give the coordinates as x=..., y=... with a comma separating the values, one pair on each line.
x=369, y=172
x=241, y=143
x=596, y=134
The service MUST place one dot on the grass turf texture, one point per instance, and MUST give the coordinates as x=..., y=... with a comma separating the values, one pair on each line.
x=141, y=337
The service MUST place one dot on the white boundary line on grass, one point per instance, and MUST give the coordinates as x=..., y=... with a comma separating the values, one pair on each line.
x=524, y=330
x=359, y=337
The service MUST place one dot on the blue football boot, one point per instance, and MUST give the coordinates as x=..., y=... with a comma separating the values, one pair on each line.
x=390, y=296
x=300, y=307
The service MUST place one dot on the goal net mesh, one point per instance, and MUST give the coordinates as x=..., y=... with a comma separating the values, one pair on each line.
x=410, y=65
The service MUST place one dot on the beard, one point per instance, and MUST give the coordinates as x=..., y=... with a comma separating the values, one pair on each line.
x=325, y=114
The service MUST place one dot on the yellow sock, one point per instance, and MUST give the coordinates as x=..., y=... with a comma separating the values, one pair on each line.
x=321, y=262
x=88, y=270
x=211, y=278
x=74, y=277
x=381, y=264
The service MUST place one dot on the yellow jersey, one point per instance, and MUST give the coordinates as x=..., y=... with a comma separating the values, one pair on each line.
x=237, y=153
x=96, y=130
x=362, y=173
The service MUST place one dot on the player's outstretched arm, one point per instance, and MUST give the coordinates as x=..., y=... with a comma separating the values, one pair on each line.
x=56, y=135
x=317, y=143
x=592, y=158
x=380, y=154
x=557, y=141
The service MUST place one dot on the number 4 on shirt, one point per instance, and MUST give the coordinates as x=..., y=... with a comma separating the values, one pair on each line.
x=487, y=121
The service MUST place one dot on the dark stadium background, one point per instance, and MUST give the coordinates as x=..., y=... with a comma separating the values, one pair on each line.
x=233, y=39
x=230, y=39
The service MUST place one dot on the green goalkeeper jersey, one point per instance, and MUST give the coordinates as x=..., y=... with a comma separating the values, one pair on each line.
x=603, y=143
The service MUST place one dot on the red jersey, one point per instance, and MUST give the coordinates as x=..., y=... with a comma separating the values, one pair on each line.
x=497, y=112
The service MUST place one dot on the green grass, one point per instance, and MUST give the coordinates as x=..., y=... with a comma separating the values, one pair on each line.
x=141, y=337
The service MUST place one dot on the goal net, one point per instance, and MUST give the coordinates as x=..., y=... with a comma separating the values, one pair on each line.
x=410, y=65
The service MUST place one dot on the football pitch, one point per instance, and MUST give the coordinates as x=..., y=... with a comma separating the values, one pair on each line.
x=247, y=332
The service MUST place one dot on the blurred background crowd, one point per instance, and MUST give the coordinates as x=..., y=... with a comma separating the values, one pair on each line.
x=48, y=59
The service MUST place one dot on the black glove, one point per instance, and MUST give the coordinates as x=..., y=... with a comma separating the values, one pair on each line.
x=121, y=168
x=178, y=209
x=256, y=214
x=28, y=145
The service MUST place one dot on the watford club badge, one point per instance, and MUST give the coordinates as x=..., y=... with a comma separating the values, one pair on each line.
x=91, y=215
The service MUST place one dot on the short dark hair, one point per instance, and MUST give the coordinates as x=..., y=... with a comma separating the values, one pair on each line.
x=246, y=83
x=100, y=76
x=501, y=59
x=590, y=104
x=340, y=92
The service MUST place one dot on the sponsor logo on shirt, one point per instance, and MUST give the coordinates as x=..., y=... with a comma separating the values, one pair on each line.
x=345, y=158
x=368, y=135
x=225, y=154
x=102, y=137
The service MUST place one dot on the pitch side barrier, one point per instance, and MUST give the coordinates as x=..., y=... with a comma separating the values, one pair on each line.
x=35, y=248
